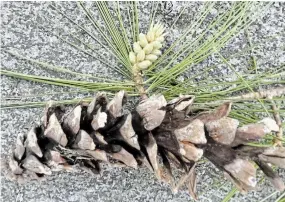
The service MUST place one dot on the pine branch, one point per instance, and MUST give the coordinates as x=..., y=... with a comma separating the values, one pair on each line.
x=262, y=94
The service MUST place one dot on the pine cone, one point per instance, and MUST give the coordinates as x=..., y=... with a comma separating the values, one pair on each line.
x=100, y=132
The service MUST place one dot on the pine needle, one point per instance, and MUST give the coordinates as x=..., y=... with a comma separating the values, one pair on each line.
x=71, y=83
x=55, y=68
x=230, y=195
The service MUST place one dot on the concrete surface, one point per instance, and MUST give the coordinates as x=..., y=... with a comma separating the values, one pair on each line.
x=21, y=32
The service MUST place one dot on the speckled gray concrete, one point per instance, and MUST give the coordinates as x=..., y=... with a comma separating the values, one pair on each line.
x=21, y=32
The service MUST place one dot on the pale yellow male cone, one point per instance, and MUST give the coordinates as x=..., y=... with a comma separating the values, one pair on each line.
x=147, y=49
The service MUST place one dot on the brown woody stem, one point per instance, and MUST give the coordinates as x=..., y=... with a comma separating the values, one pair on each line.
x=270, y=93
x=277, y=140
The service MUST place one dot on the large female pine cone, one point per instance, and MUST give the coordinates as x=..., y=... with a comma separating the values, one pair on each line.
x=101, y=132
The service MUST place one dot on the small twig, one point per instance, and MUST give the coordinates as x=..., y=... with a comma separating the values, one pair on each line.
x=277, y=118
x=270, y=93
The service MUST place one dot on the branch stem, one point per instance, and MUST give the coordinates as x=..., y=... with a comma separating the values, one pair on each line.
x=269, y=94
x=276, y=115
x=138, y=80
